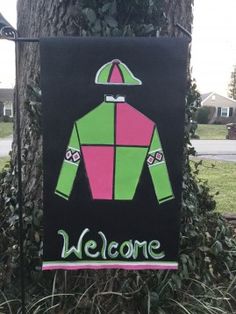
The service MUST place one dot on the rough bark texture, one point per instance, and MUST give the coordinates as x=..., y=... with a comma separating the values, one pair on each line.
x=178, y=11
x=37, y=19
x=58, y=18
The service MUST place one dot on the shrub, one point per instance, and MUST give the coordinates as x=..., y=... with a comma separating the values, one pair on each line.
x=7, y=119
x=203, y=115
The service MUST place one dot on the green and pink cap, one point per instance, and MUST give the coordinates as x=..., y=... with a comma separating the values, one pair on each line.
x=116, y=72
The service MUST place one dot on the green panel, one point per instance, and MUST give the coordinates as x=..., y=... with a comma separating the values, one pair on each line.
x=97, y=127
x=66, y=179
x=161, y=181
x=128, y=167
x=155, y=143
x=104, y=73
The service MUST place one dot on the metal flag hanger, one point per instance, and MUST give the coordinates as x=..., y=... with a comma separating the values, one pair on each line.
x=7, y=31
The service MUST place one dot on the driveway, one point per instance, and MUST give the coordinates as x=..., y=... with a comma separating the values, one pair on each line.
x=5, y=146
x=216, y=149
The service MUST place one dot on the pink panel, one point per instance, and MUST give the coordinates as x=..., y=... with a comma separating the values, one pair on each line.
x=115, y=75
x=132, y=127
x=99, y=164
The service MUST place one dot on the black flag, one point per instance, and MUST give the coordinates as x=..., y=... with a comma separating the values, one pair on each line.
x=113, y=125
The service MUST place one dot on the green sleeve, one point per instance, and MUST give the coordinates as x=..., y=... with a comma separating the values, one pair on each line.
x=158, y=170
x=69, y=166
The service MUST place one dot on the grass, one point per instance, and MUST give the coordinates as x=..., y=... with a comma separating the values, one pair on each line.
x=221, y=180
x=211, y=131
x=3, y=161
x=6, y=129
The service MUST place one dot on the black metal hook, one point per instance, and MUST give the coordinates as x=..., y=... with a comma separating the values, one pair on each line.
x=7, y=31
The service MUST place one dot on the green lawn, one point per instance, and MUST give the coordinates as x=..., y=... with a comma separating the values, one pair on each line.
x=211, y=131
x=3, y=161
x=6, y=129
x=221, y=178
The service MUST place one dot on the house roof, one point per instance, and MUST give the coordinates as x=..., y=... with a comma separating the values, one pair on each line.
x=6, y=94
x=204, y=97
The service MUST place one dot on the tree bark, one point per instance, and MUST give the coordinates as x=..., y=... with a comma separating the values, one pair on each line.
x=37, y=19
x=178, y=11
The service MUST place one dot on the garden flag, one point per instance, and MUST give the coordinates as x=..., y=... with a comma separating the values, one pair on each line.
x=113, y=125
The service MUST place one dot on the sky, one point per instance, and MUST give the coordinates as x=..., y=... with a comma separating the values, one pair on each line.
x=7, y=50
x=213, y=44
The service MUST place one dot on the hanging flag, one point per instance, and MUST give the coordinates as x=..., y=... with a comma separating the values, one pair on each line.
x=113, y=125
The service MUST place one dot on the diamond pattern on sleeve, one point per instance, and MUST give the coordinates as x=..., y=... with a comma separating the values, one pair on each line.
x=73, y=156
x=155, y=158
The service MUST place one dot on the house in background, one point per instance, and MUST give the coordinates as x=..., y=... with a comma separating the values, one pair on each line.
x=221, y=109
x=6, y=102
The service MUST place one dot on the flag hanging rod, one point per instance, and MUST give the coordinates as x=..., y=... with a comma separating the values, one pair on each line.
x=36, y=40
x=9, y=33
x=28, y=40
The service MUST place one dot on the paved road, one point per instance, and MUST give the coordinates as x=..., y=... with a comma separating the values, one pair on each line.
x=211, y=149
x=216, y=149
x=5, y=146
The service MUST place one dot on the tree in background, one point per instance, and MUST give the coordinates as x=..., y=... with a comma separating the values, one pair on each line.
x=232, y=84
x=207, y=248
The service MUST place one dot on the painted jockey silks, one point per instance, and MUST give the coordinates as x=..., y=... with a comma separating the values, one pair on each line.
x=114, y=154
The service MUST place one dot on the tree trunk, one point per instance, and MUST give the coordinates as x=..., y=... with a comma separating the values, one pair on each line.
x=178, y=11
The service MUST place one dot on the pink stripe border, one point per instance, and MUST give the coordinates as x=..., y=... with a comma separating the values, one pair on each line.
x=110, y=266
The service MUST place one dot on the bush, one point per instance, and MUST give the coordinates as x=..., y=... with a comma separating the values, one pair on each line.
x=195, y=137
x=192, y=129
x=203, y=115
x=6, y=119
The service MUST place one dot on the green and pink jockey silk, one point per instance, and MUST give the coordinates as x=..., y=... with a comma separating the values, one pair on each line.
x=115, y=141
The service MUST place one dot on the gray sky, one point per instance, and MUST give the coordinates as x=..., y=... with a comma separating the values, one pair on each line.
x=213, y=46
x=7, y=61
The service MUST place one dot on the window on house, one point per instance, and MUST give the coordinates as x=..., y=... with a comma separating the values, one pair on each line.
x=8, y=112
x=225, y=112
